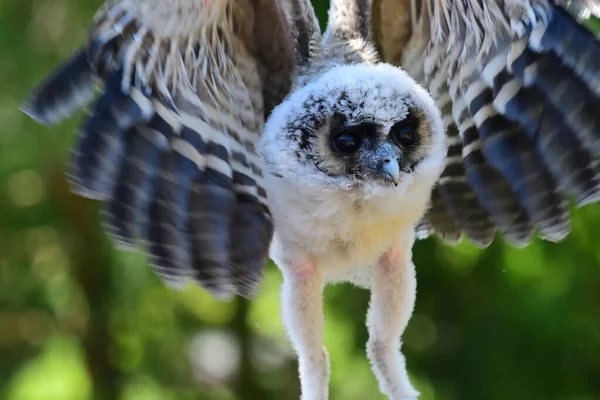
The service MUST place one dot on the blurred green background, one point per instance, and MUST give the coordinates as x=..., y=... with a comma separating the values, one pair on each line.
x=80, y=320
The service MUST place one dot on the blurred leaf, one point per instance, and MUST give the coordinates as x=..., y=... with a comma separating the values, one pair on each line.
x=57, y=373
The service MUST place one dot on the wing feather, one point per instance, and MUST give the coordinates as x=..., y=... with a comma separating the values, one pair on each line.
x=170, y=144
x=68, y=88
x=517, y=83
x=126, y=212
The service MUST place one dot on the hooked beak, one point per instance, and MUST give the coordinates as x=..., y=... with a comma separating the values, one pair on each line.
x=389, y=169
x=384, y=161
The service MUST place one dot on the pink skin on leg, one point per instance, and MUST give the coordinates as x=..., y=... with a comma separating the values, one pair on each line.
x=302, y=314
x=393, y=292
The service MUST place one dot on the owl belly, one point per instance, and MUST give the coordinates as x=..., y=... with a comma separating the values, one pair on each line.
x=353, y=251
x=343, y=233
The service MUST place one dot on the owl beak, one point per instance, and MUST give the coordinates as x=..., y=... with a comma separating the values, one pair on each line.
x=384, y=162
x=389, y=169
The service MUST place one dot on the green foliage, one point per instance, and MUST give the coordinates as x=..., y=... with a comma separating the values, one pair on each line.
x=80, y=320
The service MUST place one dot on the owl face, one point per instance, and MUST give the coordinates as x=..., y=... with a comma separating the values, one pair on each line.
x=355, y=126
x=365, y=149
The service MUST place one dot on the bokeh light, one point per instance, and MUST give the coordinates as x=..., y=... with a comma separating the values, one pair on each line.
x=82, y=320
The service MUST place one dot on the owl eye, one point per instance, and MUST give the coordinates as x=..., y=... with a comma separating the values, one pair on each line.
x=404, y=132
x=347, y=142
x=347, y=139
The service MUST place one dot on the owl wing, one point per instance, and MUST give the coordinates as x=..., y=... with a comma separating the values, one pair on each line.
x=169, y=145
x=518, y=84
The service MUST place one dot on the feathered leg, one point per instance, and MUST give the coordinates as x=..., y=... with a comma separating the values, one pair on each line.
x=393, y=292
x=302, y=313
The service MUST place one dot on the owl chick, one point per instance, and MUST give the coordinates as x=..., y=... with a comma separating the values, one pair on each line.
x=229, y=131
x=351, y=159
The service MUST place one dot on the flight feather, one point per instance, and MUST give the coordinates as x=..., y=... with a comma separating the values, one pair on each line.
x=517, y=83
x=169, y=146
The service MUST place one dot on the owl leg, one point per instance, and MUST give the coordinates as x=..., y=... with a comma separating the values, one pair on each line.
x=302, y=314
x=393, y=292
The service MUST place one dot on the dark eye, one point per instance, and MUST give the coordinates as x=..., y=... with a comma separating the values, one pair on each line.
x=348, y=139
x=347, y=142
x=405, y=133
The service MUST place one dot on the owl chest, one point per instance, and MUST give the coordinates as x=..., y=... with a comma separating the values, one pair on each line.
x=352, y=236
x=362, y=244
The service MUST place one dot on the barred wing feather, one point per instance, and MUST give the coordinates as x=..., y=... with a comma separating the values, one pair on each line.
x=517, y=82
x=169, y=146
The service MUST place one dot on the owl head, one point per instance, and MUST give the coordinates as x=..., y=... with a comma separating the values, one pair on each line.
x=363, y=127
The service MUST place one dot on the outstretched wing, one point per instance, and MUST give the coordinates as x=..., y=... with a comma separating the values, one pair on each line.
x=169, y=146
x=518, y=83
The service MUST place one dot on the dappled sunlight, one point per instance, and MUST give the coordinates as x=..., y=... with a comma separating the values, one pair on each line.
x=57, y=372
x=82, y=320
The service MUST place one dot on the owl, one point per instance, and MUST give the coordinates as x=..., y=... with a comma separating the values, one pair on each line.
x=228, y=132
